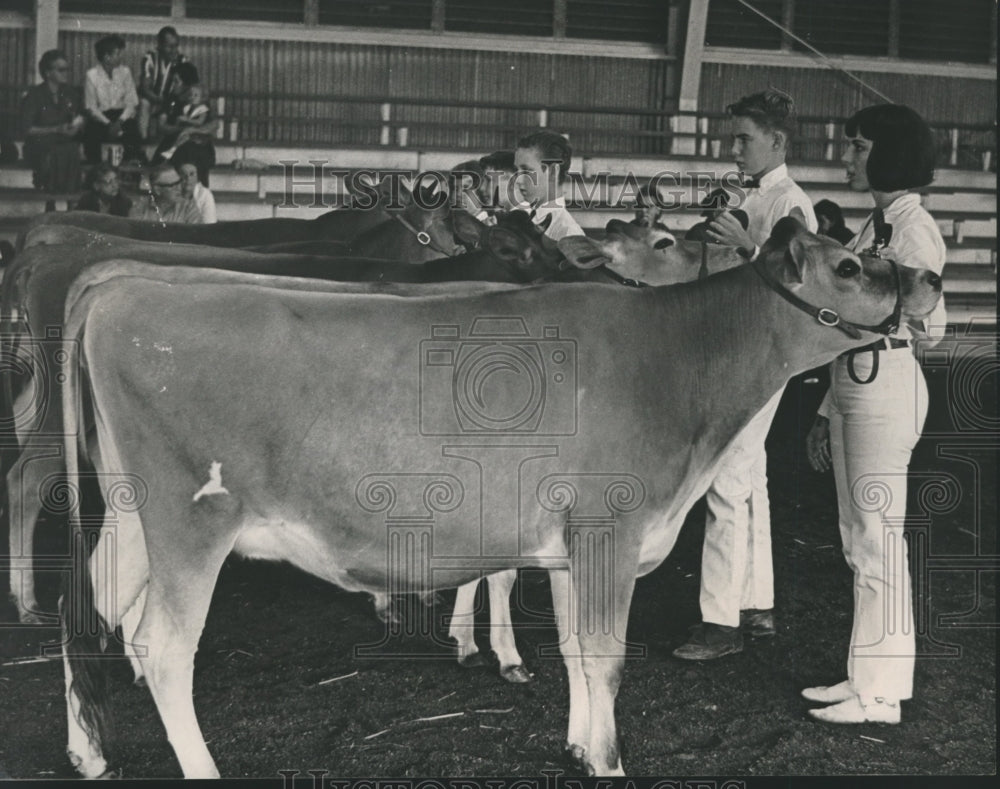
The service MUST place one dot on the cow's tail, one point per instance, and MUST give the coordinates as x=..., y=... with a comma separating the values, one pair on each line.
x=85, y=633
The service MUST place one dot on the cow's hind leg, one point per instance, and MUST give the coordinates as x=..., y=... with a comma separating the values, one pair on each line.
x=502, y=629
x=24, y=486
x=184, y=566
x=117, y=573
x=462, y=626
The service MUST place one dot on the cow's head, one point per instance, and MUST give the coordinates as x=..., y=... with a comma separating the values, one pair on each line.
x=860, y=289
x=426, y=212
x=521, y=245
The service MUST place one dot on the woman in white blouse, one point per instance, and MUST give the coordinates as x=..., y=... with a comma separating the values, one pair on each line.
x=872, y=417
x=200, y=194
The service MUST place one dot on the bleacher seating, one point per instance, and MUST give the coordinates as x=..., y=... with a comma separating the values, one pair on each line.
x=962, y=201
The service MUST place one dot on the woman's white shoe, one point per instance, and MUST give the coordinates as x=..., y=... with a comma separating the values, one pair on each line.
x=824, y=694
x=854, y=710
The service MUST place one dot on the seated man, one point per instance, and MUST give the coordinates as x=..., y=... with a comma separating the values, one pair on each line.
x=159, y=83
x=166, y=203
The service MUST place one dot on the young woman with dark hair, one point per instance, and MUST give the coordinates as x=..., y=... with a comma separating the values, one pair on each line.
x=872, y=417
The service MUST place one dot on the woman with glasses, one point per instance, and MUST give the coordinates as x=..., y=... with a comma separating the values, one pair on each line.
x=51, y=119
x=872, y=417
x=166, y=202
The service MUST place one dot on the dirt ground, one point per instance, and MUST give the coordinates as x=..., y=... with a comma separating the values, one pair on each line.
x=274, y=635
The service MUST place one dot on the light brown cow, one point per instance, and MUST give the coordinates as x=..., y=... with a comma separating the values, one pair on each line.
x=478, y=427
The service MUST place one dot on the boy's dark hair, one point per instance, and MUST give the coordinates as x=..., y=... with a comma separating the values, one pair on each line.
x=169, y=30
x=48, y=58
x=108, y=44
x=831, y=211
x=772, y=110
x=498, y=161
x=902, y=154
x=551, y=147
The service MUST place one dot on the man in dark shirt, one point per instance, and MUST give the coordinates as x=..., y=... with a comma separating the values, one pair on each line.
x=158, y=80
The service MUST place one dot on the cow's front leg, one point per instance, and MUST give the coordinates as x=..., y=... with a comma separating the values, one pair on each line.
x=578, y=733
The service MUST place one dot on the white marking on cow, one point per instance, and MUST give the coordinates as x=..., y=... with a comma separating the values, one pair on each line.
x=214, y=484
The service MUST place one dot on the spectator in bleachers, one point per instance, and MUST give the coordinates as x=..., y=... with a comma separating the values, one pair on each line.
x=188, y=124
x=543, y=160
x=158, y=80
x=51, y=120
x=648, y=207
x=166, y=201
x=105, y=195
x=194, y=190
x=111, y=103
x=831, y=221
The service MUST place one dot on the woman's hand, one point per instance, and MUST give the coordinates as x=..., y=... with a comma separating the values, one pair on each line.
x=818, y=444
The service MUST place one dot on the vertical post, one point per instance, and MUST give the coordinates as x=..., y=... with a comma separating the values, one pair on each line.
x=993, y=39
x=46, y=30
x=694, y=45
x=543, y=118
x=953, y=157
x=788, y=22
x=894, y=26
x=386, y=129
x=703, y=136
x=829, y=153
x=674, y=29
x=178, y=9
x=311, y=16
x=437, y=16
x=559, y=19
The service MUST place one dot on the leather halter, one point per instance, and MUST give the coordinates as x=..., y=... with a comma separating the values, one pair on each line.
x=422, y=236
x=829, y=317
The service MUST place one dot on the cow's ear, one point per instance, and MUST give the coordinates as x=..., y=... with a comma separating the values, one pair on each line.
x=795, y=259
x=507, y=246
x=583, y=252
x=543, y=224
x=468, y=229
x=393, y=192
x=784, y=230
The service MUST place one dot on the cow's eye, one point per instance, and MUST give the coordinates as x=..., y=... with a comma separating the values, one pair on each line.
x=663, y=243
x=848, y=268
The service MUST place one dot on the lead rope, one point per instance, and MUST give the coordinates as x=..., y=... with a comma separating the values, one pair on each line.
x=883, y=233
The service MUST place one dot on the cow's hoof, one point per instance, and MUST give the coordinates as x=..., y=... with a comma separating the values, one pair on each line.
x=110, y=775
x=576, y=755
x=473, y=660
x=516, y=675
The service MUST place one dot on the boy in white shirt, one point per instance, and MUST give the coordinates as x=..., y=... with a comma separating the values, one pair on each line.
x=737, y=581
x=542, y=160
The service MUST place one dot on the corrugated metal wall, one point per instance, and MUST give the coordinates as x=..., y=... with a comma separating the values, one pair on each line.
x=256, y=75
x=825, y=93
x=17, y=72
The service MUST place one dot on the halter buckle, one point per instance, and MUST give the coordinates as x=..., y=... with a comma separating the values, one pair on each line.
x=423, y=238
x=827, y=317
